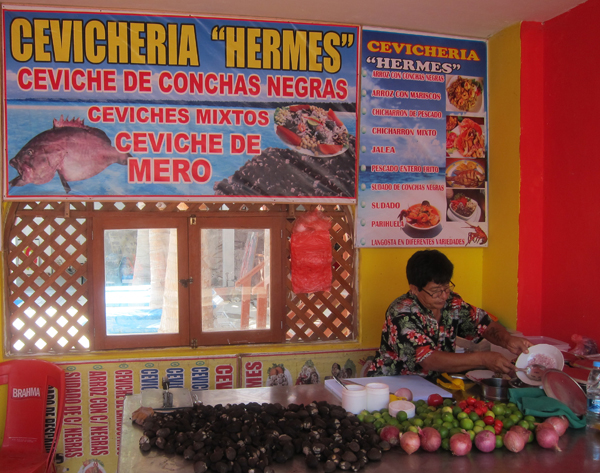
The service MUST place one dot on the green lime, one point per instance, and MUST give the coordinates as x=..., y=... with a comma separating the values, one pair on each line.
x=479, y=422
x=446, y=444
x=364, y=412
x=421, y=402
x=437, y=421
x=514, y=418
x=530, y=419
x=446, y=409
x=413, y=428
x=448, y=425
x=507, y=423
x=417, y=422
x=466, y=423
x=369, y=418
x=471, y=434
x=490, y=428
x=524, y=424
x=379, y=423
x=499, y=441
x=473, y=416
x=447, y=402
x=519, y=414
x=462, y=415
x=477, y=429
x=444, y=432
x=448, y=417
x=427, y=422
x=531, y=437
x=456, y=411
x=402, y=416
x=511, y=406
x=405, y=425
x=455, y=430
x=376, y=414
x=498, y=410
x=455, y=423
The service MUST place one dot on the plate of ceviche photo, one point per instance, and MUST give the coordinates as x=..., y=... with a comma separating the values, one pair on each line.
x=464, y=94
x=463, y=208
x=466, y=174
x=543, y=354
x=311, y=130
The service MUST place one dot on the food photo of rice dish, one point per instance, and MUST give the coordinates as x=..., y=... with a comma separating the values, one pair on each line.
x=464, y=93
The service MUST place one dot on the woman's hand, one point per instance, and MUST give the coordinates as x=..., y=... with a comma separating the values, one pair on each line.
x=497, y=363
x=518, y=345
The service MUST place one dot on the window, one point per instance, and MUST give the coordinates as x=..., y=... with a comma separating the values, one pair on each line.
x=107, y=275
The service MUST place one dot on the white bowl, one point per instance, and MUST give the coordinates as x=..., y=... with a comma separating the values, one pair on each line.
x=525, y=359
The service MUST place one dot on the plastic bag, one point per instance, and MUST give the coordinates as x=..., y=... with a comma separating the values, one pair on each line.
x=583, y=345
x=311, y=253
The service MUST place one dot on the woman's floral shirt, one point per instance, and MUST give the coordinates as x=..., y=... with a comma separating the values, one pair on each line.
x=411, y=333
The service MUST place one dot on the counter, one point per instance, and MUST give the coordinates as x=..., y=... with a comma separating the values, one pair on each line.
x=580, y=449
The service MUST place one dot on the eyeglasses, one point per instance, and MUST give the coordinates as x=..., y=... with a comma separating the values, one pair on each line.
x=438, y=292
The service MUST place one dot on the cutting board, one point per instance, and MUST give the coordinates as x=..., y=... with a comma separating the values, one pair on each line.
x=420, y=387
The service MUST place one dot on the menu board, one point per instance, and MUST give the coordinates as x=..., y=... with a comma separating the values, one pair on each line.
x=423, y=173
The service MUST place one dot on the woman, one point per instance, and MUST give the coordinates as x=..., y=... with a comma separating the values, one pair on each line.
x=421, y=326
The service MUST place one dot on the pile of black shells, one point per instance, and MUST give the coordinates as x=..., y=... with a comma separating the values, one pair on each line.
x=251, y=438
x=285, y=172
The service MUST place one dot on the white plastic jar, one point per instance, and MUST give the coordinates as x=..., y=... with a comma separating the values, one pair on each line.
x=378, y=396
x=354, y=398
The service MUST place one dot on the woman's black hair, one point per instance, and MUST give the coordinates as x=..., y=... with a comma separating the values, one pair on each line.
x=428, y=265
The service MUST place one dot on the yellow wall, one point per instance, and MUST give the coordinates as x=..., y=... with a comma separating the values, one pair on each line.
x=500, y=259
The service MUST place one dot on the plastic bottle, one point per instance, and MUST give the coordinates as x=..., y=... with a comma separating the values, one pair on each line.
x=593, y=395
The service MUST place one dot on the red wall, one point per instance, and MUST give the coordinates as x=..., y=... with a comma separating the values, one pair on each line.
x=559, y=256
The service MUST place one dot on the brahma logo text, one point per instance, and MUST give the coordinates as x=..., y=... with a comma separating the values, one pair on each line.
x=21, y=393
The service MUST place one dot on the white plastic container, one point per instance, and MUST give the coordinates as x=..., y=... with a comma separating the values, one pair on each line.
x=378, y=396
x=354, y=399
x=406, y=406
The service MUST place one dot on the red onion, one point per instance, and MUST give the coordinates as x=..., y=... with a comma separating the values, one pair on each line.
x=547, y=436
x=514, y=441
x=485, y=441
x=460, y=444
x=560, y=424
x=522, y=431
x=390, y=434
x=410, y=442
x=430, y=439
x=405, y=393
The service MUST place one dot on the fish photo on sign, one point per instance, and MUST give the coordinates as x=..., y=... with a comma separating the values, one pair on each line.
x=70, y=149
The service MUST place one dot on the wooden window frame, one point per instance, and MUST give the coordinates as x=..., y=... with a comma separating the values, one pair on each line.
x=103, y=341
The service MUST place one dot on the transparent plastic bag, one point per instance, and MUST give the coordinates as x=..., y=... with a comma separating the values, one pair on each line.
x=311, y=253
x=583, y=345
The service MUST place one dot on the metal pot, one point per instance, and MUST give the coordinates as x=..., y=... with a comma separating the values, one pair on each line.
x=495, y=389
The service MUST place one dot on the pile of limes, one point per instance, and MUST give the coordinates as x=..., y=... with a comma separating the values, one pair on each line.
x=450, y=418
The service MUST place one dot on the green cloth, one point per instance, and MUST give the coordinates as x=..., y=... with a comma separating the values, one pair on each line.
x=534, y=402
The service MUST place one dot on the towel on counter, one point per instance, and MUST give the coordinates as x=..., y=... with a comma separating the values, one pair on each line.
x=534, y=402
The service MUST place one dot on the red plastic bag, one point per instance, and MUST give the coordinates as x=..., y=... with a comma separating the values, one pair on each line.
x=583, y=345
x=311, y=253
